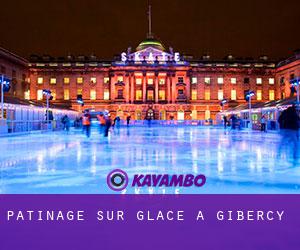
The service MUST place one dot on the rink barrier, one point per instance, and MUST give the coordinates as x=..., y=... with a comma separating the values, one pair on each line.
x=170, y=123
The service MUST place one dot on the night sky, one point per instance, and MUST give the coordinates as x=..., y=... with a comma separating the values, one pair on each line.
x=244, y=28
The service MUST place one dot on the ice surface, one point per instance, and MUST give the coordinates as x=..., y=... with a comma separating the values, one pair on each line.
x=233, y=162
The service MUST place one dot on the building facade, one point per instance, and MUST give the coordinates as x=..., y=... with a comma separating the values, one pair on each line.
x=155, y=82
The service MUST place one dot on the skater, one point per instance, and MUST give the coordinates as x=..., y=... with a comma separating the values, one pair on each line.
x=225, y=121
x=102, y=122
x=86, y=122
x=66, y=123
x=128, y=120
x=107, y=125
x=263, y=123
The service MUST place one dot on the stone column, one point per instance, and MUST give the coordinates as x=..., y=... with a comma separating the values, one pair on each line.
x=112, y=87
x=169, y=82
x=132, y=90
x=144, y=87
x=127, y=93
x=173, y=84
x=156, y=87
x=188, y=88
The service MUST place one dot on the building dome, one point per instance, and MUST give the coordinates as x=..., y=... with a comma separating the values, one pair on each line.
x=150, y=42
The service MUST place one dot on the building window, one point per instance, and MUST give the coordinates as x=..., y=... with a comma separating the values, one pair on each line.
x=93, y=94
x=161, y=95
x=162, y=81
x=150, y=95
x=52, y=80
x=220, y=94
x=150, y=81
x=194, y=80
x=120, y=94
x=138, y=95
x=66, y=94
x=53, y=93
x=259, y=95
x=120, y=78
x=138, y=81
x=93, y=80
x=27, y=95
x=106, y=94
x=207, y=80
x=258, y=80
x=220, y=80
x=233, y=80
x=246, y=80
x=271, y=95
x=233, y=94
x=271, y=80
x=40, y=80
x=194, y=94
x=79, y=80
x=106, y=79
x=180, y=79
x=40, y=94
x=66, y=80
x=207, y=95
x=79, y=91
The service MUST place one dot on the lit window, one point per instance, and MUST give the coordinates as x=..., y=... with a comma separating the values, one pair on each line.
x=271, y=80
x=258, y=80
x=79, y=80
x=233, y=80
x=220, y=80
x=53, y=93
x=120, y=79
x=162, y=81
x=233, y=94
x=40, y=80
x=93, y=94
x=66, y=80
x=79, y=91
x=27, y=95
x=150, y=95
x=150, y=81
x=93, y=80
x=52, y=80
x=194, y=80
x=40, y=94
x=271, y=95
x=138, y=95
x=220, y=94
x=66, y=94
x=161, y=95
x=194, y=94
x=207, y=95
x=138, y=81
x=106, y=79
x=106, y=94
x=207, y=80
x=259, y=95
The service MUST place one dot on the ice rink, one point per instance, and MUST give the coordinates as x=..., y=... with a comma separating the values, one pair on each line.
x=232, y=161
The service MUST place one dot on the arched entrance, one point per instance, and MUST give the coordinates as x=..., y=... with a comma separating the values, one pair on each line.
x=150, y=114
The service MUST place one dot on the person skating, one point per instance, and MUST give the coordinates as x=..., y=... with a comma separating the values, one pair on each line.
x=86, y=122
x=128, y=120
x=263, y=123
x=107, y=125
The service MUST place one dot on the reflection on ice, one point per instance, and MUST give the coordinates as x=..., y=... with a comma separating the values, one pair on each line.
x=235, y=162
